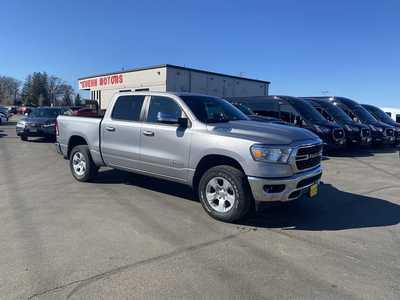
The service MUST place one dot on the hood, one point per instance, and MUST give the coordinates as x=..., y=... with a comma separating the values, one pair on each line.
x=268, y=120
x=39, y=120
x=381, y=124
x=328, y=125
x=266, y=133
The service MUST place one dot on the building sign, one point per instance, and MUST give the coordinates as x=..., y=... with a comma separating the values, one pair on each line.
x=102, y=81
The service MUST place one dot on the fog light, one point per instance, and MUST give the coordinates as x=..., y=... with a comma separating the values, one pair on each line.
x=274, y=188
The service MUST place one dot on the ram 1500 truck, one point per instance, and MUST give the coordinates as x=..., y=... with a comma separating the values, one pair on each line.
x=202, y=141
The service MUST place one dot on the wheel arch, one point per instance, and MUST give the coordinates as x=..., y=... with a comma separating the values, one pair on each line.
x=75, y=140
x=212, y=160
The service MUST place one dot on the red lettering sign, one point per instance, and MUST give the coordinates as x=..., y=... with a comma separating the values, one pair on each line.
x=105, y=80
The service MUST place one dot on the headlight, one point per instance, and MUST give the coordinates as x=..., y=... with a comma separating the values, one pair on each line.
x=322, y=129
x=21, y=124
x=49, y=125
x=270, y=153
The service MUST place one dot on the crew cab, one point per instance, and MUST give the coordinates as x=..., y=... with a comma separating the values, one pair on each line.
x=201, y=141
x=297, y=112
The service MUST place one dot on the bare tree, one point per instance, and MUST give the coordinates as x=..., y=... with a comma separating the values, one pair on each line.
x=9, y=89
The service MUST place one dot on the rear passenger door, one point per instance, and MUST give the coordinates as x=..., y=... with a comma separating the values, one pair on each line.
x=120, y=133
x=164, y=145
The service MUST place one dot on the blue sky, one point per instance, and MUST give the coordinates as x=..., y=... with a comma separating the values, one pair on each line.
x=346, y=47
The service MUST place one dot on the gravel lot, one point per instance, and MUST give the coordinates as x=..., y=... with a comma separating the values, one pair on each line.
x=129, y=236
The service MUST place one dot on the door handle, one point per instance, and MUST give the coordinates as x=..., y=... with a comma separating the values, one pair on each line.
x=148, y=133
x=109, y=128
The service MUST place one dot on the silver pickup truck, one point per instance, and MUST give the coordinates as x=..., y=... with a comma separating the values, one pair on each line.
x=202, y=141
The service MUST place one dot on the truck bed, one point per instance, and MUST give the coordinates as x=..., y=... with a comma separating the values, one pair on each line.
x=85, y=127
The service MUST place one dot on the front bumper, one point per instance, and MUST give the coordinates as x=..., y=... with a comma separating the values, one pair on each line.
x=36, y=131
x=284, y=189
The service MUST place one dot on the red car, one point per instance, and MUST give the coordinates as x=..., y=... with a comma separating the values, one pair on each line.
x=85, y=112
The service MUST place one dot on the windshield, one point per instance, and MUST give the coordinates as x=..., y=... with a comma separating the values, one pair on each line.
x=379, y=114
x=213, y=110
x=307, y=111
x=45, y=113
x=363, y=114
x=336, y=112
x=244, y=109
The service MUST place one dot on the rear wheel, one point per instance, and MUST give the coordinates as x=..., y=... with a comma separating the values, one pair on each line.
x=81, y=164
x=224, y=193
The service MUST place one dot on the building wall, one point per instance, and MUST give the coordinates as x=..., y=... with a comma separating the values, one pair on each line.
x=211, y=84
x=103, y=88
x=393, y=112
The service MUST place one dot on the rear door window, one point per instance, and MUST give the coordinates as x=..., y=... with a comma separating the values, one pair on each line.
x=128, y=108
x=163, y=106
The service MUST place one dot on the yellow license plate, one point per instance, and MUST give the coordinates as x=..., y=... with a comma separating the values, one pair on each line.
x=313, y=190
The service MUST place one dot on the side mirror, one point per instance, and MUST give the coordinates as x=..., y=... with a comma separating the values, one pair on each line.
x=183, y=122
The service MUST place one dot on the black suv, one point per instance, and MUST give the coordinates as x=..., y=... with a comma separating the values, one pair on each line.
x=356, y=133
x=381, y=132
x=380, y=115
x=299, y=113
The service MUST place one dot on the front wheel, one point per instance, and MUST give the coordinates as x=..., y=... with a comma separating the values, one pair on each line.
x=224, y=193
x=24, y=138
x=81, y=164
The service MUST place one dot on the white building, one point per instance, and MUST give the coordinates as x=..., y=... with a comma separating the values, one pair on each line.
x=173, y=79
x=394, y=113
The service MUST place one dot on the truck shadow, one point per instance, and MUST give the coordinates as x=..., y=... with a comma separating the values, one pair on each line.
x=2, y=134
x=364, y=152
x=331, y=210
x=112, y=176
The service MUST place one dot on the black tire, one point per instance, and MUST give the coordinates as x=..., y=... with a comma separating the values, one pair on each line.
x=90, y=170
x=24, y=138
x=240, y=187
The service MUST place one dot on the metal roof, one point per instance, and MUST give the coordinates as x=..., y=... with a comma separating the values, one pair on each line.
x=175, y=67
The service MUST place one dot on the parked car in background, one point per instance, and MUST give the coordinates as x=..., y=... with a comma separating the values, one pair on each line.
x=254, y=117
x=12, y=110
x=380, y=115
x=356, y=133
x=297, y=112
x=3, y=118
x=381, y=133
x=85, y=112
x=24, y=109
x=4, y=110
x=202, y=141
x=40, y=122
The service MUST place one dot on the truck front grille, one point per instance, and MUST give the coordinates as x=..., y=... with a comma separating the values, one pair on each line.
x=365, y=132
x=308, y=157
